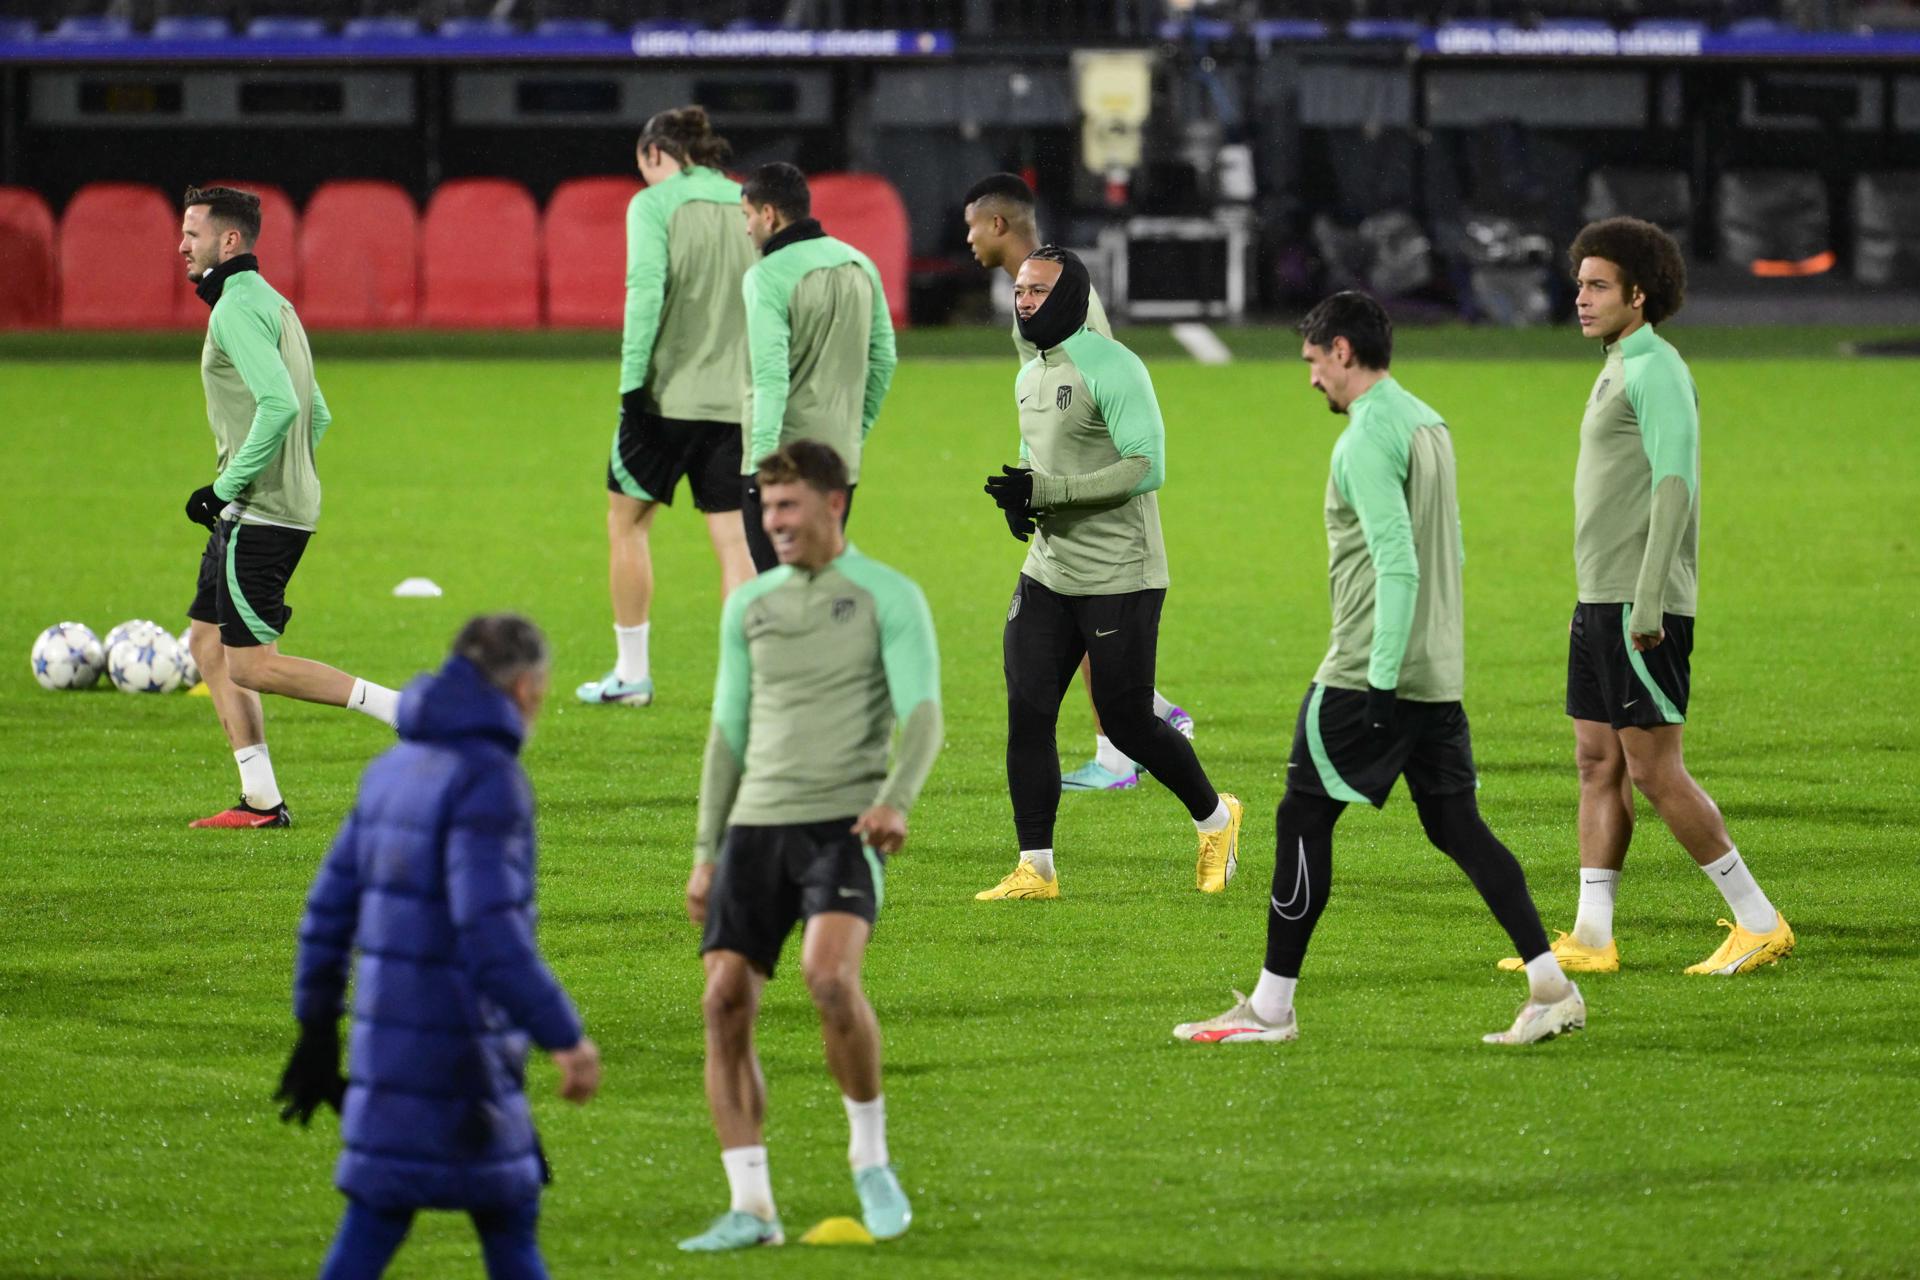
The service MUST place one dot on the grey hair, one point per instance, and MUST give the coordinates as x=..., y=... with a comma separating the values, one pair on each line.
x=505, y=646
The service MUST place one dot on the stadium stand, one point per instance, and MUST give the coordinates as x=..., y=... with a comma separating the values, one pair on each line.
x=1774, y=222
x=1663, y=197
x=1886, y=220
x=110, y=275
x=583, y=242
x=359, y=254
x=27, y=261
x=866, y=211
x=479, y=256
x=277, y=250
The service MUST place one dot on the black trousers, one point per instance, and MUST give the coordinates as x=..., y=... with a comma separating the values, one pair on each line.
x=759, y=545
x=1047, y=634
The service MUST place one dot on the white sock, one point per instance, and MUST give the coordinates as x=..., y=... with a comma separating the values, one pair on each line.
x=1545, y=982
x=632, y=663
x=1160, y=706
x=868, y=1122
x=1593, y=927
x=376, y=700
x=1042, y=860
x=748, y=1182
x=1215, y=821
x=257, y=786
x=1272, y=998
x=1110, y=757
x=1751, y=910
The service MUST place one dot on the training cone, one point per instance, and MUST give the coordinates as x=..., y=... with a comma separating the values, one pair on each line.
x=200, y=691
x=837, y=1231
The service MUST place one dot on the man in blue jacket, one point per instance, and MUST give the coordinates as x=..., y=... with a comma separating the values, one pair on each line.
x=431, y=880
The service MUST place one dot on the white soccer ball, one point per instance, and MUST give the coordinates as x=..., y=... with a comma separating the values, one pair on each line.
x=132, y=629
x=67, y=656
x=189, y=669
x=150, y=665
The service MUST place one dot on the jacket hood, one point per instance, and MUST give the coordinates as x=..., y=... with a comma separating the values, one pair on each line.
x=458, y=702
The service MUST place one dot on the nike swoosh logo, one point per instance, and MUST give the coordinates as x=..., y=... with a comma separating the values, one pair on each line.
x=1726, y=873
x=850, y=893
x=1629, y=702
x=1100, y=633
x=256, y=755
x=1734, y=966
x=1603, y=881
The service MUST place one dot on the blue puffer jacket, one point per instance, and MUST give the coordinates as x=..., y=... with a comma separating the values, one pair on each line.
x=431, y=881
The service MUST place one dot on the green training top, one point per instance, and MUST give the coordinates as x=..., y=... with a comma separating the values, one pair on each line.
x=265, y=409
x=1096, y=321
x=1090, y=428
x=685, y=342
x=821, y=345
x=1636, y=488
x=815, y=670
x=1394, y=553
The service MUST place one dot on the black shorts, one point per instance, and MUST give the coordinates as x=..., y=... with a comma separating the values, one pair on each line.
x=771, y=878
x=651, y=454
x=1608, y=681
x=243, y=581
x=759, y=545
x=1337, y=756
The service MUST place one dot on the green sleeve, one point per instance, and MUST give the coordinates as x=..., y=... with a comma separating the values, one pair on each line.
x=1668, y=409
x=322, y=416
x=251, y=339
x=911, y=656
x=768, y=339
x=881, y=357
x=1371, y=473
x=646, y=287
x=726, y=755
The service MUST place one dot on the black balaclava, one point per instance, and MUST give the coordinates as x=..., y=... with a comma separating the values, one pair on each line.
x=215, y=280
x=1064, y=313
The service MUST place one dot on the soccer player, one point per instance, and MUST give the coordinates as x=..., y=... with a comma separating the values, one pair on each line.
x=1636, y=531
x=267, y=416
x=1093, y=453
x=450, y=986
x=682, y=359
x=819, y=338
x=1385, y=702
x=819, y=660
x=1002, y=230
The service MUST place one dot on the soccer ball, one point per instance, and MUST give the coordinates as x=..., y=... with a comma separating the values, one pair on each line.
x=133, y=629
x=149, y=665
x=66, y=656
x=189, y=669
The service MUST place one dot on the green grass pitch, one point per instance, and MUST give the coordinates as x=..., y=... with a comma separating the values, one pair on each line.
x=1044, y=1121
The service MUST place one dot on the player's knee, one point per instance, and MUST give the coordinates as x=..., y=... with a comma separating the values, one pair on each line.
x=1655, y=778
x=1599, y=766
x=247, y=668
x=835, y=992
x=1126, y=719
x=1301, y=815
x=727, y=1000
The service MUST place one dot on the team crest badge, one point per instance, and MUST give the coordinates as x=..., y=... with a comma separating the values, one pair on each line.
x=1600, y=389
x=843, y=608
x=1063, y=398
x=1013, y=610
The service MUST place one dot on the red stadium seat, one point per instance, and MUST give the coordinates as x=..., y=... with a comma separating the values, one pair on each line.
x=866, y=211
x=27, y=262
x=359, y=257
x=583, y=247
x=276, y=249
x=120, y=265
x=479, y=256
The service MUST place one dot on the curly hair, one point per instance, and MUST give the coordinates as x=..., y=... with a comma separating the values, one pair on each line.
x=1648, y=258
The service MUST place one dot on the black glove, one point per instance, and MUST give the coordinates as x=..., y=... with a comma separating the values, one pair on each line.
x=1020, y=523
x=313, y=1072
x=633, y=408
x=204, y=506
x=1380, y=704
x=1012, y=489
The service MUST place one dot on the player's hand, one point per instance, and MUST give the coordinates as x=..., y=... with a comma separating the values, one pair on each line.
x=698, y=886
x=1020, y=522
x=204, y=506
x=1651, y=640
x=1012, y=489
x=883, y=827
x=633, y=404
x=579, y=1070
x=1380, y=708
x=313, y=1074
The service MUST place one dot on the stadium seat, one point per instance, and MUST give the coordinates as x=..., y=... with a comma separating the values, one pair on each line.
x=277, y=249
x=866, y=211
x=190, y=27
x=359, y=257
x=389, y=27
x=479, y=256
x=583, y=248
x=89, y=27
x=279, y=27
x=1886, y=219
x=1663, y=197
x=119, y=265
x=27, y=261
x=1773, y=222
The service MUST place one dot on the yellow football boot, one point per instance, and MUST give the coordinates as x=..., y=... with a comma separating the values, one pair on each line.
x=1574, y=957
x=1743, y=951
x=1022, y=883
x=1219, y=851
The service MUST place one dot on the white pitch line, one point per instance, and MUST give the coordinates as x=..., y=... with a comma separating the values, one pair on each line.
x=1202, y=343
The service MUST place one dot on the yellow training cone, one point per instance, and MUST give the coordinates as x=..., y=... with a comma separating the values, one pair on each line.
x=837, y=1231
x=200, y=691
